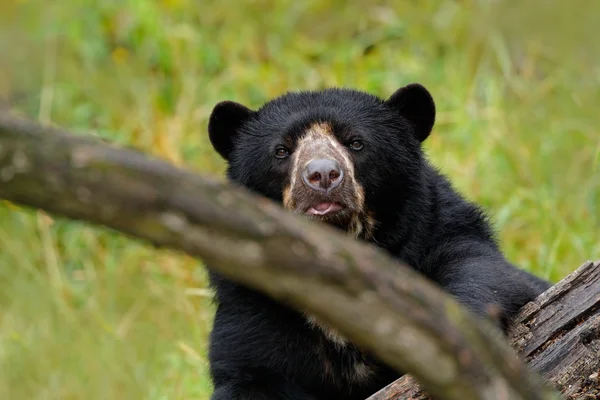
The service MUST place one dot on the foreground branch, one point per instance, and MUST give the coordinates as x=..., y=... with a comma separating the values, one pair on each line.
x=557, y=334
x=373, y=300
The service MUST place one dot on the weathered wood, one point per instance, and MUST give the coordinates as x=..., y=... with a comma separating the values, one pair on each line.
x=405, y=388
x=378, y=303
x=557, y=334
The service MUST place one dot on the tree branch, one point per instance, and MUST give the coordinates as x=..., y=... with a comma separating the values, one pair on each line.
x=373, y=300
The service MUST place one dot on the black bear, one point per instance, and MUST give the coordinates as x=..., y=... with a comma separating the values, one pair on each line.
x=354, y=161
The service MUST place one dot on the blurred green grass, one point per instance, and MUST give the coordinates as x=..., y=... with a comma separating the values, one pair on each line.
x=87, y=313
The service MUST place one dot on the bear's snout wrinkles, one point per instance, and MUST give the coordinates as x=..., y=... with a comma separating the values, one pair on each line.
x=323, y=174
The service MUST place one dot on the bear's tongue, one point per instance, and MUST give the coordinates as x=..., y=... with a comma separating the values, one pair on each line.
x=324, y=208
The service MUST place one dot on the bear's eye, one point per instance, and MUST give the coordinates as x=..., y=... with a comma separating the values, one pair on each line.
x=356, y=145
x=282, y=152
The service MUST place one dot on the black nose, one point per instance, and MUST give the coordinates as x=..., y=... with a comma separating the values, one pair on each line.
x=323, y=174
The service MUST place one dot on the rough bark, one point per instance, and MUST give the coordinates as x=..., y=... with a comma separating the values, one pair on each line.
x=373, y=300
x=558, y=335
x=405, y=388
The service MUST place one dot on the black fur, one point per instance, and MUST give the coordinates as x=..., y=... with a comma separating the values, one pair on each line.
x=263, y=350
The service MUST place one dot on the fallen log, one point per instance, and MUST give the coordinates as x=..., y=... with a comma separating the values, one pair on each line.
x=557, y=335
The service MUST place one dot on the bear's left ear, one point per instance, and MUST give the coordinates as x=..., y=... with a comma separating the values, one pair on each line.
x=416, y=104
x=224, y=123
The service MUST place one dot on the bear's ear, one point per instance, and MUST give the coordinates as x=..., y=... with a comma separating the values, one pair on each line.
x=416, y=104
x=224, y=122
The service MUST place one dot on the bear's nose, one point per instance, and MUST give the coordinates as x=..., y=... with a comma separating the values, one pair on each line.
x=323, y=174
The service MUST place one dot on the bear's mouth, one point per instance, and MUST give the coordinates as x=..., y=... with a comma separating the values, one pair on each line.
x=331, y=212
x=324, y=208
x=338, y=208
x=347, y=216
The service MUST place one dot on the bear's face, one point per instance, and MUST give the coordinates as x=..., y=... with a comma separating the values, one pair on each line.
x=337, y=155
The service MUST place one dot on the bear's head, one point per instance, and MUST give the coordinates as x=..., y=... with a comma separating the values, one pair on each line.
x=337, y=155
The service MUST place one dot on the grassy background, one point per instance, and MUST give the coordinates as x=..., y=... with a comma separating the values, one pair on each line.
x=86, y=313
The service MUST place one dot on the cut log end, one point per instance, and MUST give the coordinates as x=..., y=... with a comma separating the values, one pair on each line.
x=557, y=334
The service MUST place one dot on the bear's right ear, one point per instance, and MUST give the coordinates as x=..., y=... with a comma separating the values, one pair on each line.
x=224, y=123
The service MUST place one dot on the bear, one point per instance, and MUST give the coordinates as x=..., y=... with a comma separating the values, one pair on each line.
x=355, y=161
